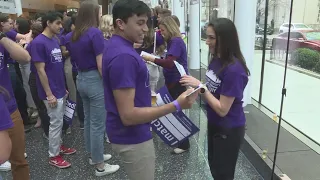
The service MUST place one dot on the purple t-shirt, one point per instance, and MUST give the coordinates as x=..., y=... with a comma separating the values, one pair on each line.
x=65, y=41
x=46, y=50
x=12, y=34
x=124, y=68
x=5, y=120
x=85, y=50
x=176, y=47
x=32, y=67
x=5, y=80
x=231, y=82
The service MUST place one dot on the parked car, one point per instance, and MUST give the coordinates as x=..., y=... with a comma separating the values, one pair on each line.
x=298, y=39
x=259, y=42
x=294, y=27
x=260, y=29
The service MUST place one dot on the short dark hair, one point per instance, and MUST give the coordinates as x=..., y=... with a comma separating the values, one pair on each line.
x=39, y=15
x=124, y=9
x=51, y=17
x=3, y=19
x=24, y=25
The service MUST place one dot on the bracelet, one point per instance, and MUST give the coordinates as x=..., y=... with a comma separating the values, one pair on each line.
x=50, y=99
x=177, y=105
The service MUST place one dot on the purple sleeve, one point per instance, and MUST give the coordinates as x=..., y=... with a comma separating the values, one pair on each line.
x=5, y=120
x=63, y=41
x=159, y=40
x=12, y=35
x=123, y=72
x=98, y=43
x=175, y=49
x=37, y=52
x=232, y=85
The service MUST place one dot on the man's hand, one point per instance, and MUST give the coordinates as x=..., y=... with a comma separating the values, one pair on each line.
x=52, y=101
x=186, y=102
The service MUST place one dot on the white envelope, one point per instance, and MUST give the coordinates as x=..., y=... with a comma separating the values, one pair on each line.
x=180, y=68
x=148, y=54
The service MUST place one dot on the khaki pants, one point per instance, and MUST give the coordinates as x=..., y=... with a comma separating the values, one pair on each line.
x=138, y=159
x=19, y=165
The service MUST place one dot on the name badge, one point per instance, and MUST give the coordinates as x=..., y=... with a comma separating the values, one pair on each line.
x=69, y=112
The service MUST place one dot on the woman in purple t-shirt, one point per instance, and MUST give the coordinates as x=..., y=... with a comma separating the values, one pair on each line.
x=226, y=79
x=176, y=51
x=86, y=50
x=149, y=41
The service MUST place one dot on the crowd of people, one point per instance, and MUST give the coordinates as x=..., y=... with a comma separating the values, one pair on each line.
x=95, y=61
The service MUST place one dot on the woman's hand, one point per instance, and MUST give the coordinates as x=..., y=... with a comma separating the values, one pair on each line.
x=136, y=45
x=189, y=81
x=148, y=58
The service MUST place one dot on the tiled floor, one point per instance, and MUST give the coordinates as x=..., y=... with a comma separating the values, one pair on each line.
x=188, y=166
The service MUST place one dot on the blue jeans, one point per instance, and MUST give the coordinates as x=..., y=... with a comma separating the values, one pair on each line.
x=90, y=87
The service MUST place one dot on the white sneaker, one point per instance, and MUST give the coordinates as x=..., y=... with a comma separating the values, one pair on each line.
x=106, y=157
x=179, y=151
x=5, y=166
x=108, y=169
x=107, y=139
x=35, y=114
x=25, y=155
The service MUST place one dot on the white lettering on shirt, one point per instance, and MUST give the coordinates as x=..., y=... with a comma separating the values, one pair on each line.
x=213, y=81
x=56, y=55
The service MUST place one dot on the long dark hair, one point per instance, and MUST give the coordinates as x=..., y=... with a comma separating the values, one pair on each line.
x=67, y=23
x=227, y=43
x=23, y=25
x=88, y=16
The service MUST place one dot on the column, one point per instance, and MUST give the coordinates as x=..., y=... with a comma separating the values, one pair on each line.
x=245, y=21
x=194, y=34
x=178, y=10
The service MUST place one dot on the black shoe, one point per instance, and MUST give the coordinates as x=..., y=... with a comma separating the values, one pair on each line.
x=81, y=126
x=27, y=129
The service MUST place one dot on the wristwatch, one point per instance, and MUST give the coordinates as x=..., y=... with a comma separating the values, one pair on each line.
x=2, y=35
x=203, y=89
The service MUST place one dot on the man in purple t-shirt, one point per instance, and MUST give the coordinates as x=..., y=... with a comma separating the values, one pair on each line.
x=127, y=92
x=20, y=168
x=47, y=58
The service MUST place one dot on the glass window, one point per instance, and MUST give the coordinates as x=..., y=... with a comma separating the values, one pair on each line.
x=300, y=26
x=312, y=35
